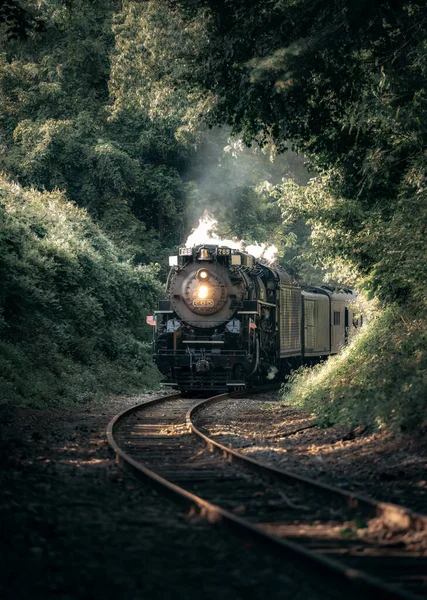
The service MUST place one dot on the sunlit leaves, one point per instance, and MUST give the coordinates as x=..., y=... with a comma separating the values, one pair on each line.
x=68, y=301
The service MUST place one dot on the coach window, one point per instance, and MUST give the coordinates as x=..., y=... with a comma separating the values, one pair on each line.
x=337, y=318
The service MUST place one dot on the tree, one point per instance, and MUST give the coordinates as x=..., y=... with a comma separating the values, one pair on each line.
x=59, y=128
x=345, y=82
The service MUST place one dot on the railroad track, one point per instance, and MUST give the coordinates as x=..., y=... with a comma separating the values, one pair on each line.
x=291, y=515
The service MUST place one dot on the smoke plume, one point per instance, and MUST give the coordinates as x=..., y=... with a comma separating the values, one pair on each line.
x=206, y=233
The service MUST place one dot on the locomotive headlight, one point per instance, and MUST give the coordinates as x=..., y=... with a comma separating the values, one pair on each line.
x=202, y=292
x=203, y=275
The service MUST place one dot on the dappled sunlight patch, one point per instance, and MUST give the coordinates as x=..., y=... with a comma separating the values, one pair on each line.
x=327, y=531
x=79, y=462
x=256, y=448
x=360, y=537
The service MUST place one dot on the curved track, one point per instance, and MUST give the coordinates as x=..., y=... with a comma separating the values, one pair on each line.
x=292, y=515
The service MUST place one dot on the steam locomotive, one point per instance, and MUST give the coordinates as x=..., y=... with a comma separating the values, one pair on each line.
x=230, y=321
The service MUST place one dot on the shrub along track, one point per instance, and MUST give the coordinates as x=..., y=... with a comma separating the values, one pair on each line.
x=294, y=516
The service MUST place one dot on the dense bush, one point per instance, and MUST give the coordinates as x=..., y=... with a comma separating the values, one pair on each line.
x=381, y=379
x=72, y=312
x=378, y=380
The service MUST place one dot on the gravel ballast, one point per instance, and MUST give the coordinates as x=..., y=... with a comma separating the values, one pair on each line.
x=378, y=464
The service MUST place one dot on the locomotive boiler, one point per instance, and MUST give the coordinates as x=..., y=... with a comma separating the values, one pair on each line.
x=230, y=321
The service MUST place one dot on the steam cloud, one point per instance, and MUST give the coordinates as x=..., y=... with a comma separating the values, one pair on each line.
x=206, y=233
x=272, y=372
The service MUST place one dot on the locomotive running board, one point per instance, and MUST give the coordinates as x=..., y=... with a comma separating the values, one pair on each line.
x=202, y=341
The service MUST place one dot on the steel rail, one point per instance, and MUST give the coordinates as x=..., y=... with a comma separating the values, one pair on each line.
x=371, y=586
x=390, y=514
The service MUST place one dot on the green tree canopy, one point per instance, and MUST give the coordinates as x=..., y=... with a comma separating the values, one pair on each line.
x=345, y=81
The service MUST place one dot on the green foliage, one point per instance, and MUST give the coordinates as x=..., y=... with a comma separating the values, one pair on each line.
x=345, y=82
x=155, y=50
x=72, y=311
x=154, y=72
x=384, y=257
x=110, y=102
x=380, y=379
x=59, y=129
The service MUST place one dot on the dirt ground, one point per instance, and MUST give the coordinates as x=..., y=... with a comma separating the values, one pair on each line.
x=377, y=464
x=73, y=526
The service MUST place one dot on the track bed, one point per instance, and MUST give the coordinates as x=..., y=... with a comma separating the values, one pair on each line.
x=294, y=517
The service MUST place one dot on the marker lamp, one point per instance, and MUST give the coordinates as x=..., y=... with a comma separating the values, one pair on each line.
x=202, y=274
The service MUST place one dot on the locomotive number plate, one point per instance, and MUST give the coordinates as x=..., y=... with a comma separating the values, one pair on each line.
x=208, y=303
